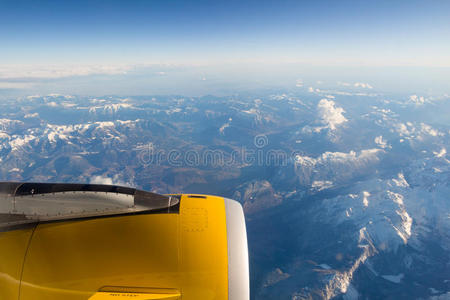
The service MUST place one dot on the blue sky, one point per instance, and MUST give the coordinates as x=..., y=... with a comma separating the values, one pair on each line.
x=163, y=46
x=168, y=31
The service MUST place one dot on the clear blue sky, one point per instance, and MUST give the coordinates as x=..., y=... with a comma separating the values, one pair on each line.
x=319, y=32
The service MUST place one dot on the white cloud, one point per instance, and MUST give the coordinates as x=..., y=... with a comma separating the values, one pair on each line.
x=15, y=85
x=330, y=115
x=57, y=71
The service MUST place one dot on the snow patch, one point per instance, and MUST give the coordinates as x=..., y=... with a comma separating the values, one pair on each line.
x=400, y=181
x=34, y=115
x=337, y=165
x=325, y=266
x=405, y=230
x=394, y=278
x=362, y=85
x=417, y=100
x=341, y=282
x=101, y=180
x=320, y=185
x=366, y=196
x=224, y=126
x=441, y=153
x=382, y=143
x=18, y=143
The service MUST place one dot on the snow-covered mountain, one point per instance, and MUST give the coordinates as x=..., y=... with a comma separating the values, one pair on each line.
x=346, y=191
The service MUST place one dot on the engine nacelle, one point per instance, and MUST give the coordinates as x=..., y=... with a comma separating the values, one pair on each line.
x=99, y=242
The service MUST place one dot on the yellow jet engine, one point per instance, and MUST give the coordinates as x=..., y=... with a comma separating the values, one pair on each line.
x=100, y=242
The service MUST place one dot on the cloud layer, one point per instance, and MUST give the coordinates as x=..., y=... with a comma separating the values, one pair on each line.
x=15, y=72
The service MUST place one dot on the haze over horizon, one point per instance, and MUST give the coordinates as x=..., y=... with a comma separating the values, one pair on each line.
x=201, y=47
